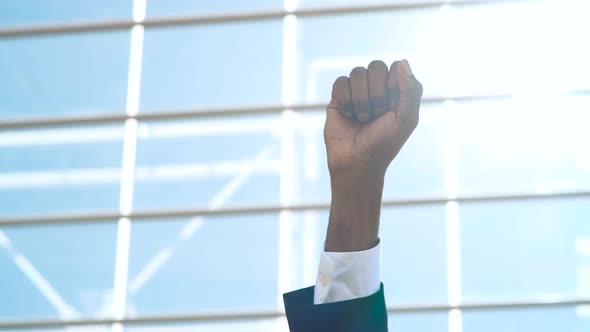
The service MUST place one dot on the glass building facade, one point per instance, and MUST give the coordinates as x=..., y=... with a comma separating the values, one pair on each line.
x=164, y=159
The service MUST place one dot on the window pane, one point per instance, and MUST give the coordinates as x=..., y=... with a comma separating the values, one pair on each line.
x=539, y=320
x=204, y=264
x=454, y=51
x=523, y=145
x=208, y=163
x=187, y=7
x=413, y=262
x=194, y=162
x=530, y=249
x=386, y=35
x=241, y=65
x=66, y=74
x=491, y=147
x=484, y=57
x=47, y=271
x=470, y=148
x=22, y=12
x=60, y=170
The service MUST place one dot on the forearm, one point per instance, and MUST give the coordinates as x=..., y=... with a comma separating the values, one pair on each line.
x=354, y=213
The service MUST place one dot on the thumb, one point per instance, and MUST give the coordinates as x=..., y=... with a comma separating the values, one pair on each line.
x=410, y=94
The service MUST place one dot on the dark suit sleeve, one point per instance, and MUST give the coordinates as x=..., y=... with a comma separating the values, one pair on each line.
x=363, y=314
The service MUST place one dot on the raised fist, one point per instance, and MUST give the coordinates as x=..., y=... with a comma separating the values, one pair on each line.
x=371, y=115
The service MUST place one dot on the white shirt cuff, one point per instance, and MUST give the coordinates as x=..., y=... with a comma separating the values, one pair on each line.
x=346, y=276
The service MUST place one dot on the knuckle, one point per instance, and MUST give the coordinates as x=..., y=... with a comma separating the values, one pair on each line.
x=357, y=71
x=392, y=68
x=376, y=65
x=340, y=81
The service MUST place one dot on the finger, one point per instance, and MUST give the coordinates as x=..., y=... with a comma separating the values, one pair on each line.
x=410, y=96
x=341, y=98
x=377, y=77
x=393, y=87
x=360, y=94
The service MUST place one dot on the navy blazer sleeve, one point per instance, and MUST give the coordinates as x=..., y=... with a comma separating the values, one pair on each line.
x=363, y=314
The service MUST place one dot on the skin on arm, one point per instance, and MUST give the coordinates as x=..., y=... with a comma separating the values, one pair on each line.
x=371, y=115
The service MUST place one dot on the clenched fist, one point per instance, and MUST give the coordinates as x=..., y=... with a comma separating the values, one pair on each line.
x=371, y=115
